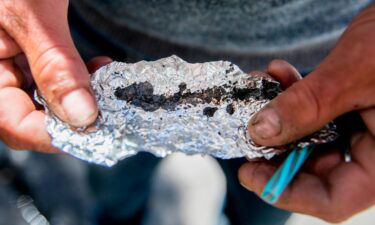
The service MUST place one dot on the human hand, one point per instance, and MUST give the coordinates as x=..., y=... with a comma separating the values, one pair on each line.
x=326, y=187
x=39, y=30
x=30, y=135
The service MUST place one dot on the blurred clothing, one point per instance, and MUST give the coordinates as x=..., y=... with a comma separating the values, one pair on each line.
x=247, y=32
x=121, y=192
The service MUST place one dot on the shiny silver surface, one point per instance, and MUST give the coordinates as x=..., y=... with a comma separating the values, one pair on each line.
x=168, y=106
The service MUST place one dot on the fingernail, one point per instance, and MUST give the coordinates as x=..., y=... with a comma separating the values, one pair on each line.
x=79, y=107
x=266, y=123
x=246, y=187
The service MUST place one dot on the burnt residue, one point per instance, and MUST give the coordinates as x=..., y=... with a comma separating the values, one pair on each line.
x=245, y=93
x=230, y=109
x=270, y=89
x=230, y=69
x=209, y=111
x=182, y=87
x=142, y=95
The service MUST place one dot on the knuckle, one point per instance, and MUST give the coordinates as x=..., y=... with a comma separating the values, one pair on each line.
x=305, y=97
x=53, y=68
x=52, y=56
x=53, y=87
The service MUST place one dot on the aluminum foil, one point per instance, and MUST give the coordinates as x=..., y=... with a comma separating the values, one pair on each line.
x=168, y=106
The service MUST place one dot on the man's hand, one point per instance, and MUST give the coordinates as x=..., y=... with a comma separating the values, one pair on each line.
x=39, y=29
x=345, y=81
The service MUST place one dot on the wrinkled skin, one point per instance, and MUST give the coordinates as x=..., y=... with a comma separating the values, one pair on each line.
x=30, y=34
x=327, y=187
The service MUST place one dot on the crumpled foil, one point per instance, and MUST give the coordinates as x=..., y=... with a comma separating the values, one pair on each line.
x=168, y=106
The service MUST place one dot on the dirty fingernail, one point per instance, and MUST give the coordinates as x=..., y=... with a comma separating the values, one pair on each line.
x=266, y=124
x=79, y=107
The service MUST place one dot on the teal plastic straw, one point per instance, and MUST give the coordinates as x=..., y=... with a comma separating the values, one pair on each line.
x=285, y=174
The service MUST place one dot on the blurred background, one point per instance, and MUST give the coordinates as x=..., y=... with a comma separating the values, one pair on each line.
x=42, y=189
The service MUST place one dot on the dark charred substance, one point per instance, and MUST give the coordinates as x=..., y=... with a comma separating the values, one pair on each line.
x=230, y=109
x=142, y=95
x=209, y=111
x=270, y=89
x=230, y=69
x=245, y=93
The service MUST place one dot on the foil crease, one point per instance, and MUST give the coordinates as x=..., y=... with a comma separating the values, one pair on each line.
x=168, y=106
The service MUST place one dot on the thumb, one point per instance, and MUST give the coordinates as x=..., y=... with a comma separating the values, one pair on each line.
x=41, y=30
x=303, y=108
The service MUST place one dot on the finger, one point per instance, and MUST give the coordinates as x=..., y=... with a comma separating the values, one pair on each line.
x=302, y=195
x=322, y=162
x=343, y=192
x=97, y=62
x=368, y=116
x=307, y=194
x=8, y=47
x=21, y=62
x=254, y=175
x=10, y=76
x=34, y=123
x=303, y=108
x=338, y=85
x=284, y=72
x=363, y=152
x=57, y=68
x=356, y=176
x=281, y=71
x=21, y=127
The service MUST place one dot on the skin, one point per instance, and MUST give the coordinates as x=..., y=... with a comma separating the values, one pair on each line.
x=326, y=187
x=36, y=48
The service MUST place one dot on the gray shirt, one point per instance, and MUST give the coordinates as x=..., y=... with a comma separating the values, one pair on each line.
x=249, y=33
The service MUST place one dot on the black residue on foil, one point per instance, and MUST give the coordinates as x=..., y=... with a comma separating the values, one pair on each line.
x=209, y=111
x=230, y=109
x=142, y=95
x=270, y=89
